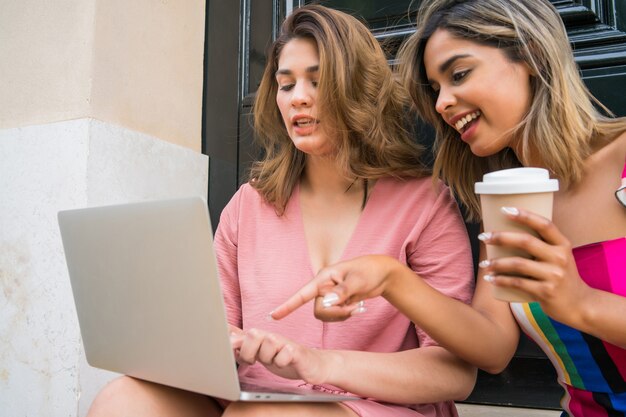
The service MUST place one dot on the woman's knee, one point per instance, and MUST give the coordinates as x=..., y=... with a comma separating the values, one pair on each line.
x=129, y=396
x=123, y=387
x=252, y=409
x=116, y=394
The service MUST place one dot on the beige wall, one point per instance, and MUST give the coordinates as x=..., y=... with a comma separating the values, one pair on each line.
x=137, y=64
x=45, y=50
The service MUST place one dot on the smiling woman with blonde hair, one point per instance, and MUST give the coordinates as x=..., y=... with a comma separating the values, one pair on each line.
x=562, y=125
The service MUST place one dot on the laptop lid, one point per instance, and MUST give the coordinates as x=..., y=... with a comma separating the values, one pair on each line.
x=148, y=296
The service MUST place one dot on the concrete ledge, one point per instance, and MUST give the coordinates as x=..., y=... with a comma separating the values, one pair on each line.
x=476, y=410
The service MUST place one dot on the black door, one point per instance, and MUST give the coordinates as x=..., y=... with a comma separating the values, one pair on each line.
x=238, y=32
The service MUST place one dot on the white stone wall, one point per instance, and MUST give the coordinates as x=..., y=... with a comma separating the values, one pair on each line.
x=44, y=169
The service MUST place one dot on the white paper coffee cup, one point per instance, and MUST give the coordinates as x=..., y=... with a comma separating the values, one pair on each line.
x=525, y=188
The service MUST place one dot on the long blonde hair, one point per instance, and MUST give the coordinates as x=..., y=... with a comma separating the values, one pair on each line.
x=561, y=123
x=357, y=94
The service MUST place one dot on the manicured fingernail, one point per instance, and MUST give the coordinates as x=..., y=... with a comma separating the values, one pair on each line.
x=511, y=211
x=358, y=310
x=488, y=278
x=484, y=236
x=330, y=300
x=485, y=263
x=269, y=317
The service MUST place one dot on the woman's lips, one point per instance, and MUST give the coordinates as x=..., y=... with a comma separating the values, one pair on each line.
x=304, y=125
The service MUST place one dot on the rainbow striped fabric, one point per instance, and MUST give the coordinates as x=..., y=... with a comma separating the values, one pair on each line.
x=592, y=372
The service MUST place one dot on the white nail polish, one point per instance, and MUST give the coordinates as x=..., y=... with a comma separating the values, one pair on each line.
x=269, y=317
x=484, y=263
x=330, y=300
x=484, y=236
x=512, y=211
x=358, y=310
x=488, y=278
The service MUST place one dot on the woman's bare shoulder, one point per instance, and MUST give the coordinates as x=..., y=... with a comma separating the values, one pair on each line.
x=620, y=141
x=613, y=152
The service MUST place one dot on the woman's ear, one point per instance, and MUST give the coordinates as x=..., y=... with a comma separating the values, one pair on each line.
x=532, y=59
x=531, y=70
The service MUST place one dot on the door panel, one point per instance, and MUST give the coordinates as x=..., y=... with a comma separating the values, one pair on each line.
x=237, y=34
x=221, y=102
x=609, y=86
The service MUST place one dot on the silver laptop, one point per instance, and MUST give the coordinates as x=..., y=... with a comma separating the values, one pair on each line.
x=149, y=301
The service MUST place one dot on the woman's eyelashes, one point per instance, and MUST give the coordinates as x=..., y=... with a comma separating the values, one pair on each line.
x=290, y=86
x=458, y=76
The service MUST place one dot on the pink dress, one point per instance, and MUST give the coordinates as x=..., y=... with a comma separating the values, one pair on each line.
x=591, y=371
x=263, y=259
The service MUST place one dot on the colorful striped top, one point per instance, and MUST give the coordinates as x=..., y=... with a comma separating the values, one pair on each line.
x=592, y=371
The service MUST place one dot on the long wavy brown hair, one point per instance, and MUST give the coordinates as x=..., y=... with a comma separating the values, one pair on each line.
x=562, y=122
x=357, y=93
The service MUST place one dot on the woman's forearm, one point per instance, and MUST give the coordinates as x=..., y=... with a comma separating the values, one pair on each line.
x=422, y=375
x=485, y=335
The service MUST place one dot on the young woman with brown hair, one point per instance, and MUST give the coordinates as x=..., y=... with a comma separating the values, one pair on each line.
x=340, y=178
